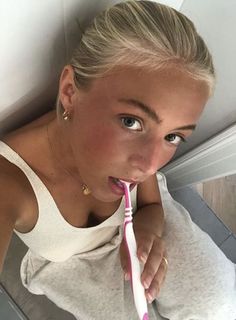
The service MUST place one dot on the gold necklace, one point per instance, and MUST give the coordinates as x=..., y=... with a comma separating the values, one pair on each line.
x=85, y=189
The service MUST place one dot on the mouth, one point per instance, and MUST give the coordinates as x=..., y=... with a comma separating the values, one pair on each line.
x=117, y=186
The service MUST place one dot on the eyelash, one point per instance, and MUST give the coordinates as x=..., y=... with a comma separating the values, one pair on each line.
x=177, y=135
x=125, y=117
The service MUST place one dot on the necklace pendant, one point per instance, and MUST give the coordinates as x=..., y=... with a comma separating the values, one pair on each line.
x=85, y=190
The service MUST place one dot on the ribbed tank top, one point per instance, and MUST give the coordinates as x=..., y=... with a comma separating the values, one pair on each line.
x=52, y=237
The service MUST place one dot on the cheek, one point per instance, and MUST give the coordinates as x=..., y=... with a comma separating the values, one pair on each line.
x=165, y=157
x=101, y=143
x=170, y=155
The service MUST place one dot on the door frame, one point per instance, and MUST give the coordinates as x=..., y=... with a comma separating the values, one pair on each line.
x=213, y=159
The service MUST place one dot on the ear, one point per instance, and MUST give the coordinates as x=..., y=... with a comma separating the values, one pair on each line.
x=67, y=88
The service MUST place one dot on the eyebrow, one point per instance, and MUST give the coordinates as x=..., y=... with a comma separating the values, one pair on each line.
x=151, y=113
x=148, y=110
x=188, y=127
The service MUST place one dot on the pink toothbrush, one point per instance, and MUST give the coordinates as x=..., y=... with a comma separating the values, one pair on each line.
x=137, y=287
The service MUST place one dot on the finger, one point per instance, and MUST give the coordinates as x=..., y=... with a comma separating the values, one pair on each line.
x=165, y=264
x=144, y=247
x=162, y=282
x=153, y=263
x=154, y=289
x=124, y=260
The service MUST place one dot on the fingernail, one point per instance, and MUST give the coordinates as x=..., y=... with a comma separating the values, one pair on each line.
x=143, y=258
x=127, y=277
x=152, y=295
x=146, y=283
x=149, y=298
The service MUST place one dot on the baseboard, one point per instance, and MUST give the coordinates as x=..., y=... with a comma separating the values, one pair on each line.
x=213, y=159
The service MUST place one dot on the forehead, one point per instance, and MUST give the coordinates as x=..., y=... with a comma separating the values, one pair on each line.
x=169, y=88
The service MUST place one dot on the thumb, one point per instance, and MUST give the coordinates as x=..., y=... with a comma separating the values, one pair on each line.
x=124, y=260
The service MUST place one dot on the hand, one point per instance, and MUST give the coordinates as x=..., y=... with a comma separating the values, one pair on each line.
x=150, y=252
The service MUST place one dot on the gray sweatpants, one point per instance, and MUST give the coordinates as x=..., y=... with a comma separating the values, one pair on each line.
x=200, y=283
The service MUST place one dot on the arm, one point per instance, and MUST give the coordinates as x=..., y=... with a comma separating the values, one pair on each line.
x=6, y=230
x=148, y=227
x=149, y=215
x=8, y=214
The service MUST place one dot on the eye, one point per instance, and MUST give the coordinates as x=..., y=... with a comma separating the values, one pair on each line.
x=175, y=139
x=131, y=123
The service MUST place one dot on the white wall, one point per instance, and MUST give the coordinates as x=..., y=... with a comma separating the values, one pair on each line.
x=32, y=50
x=216, y=22
x=37, y=37
x=176, y=4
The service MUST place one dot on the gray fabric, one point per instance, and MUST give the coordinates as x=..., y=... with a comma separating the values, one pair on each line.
x=52, y=236
x=35, y=307
x=200, y=283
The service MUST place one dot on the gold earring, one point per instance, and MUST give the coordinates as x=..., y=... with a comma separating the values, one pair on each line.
x=85, y=190
x=66, y=115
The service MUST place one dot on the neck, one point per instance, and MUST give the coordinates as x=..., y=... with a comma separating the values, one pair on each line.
x=60, y=149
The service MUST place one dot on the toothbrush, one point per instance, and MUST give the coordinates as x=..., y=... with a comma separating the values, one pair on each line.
x=137, y=287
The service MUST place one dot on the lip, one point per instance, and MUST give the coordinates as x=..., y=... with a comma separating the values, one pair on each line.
x=118, y=189
x=133, y=183
x=128, y=180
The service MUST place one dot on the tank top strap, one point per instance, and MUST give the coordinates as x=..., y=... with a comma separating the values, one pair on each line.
x=41, y=192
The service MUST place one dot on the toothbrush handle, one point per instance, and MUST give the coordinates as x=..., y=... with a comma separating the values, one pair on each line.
x=137, y=287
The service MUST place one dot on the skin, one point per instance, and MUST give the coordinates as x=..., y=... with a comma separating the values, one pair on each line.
x=113, y=128
x=109, y=133
x=98, y=129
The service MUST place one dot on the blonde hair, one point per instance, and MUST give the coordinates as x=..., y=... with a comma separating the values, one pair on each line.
x=141, y=34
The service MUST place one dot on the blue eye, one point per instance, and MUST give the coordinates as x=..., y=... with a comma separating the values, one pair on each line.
x=175, y=139
x=131, y=123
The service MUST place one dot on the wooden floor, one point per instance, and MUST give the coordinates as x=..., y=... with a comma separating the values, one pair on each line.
x=220, y=195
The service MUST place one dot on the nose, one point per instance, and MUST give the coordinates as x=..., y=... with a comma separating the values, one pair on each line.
x=148, y=158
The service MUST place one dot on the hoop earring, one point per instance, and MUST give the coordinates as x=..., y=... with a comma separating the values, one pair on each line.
x=66, y=115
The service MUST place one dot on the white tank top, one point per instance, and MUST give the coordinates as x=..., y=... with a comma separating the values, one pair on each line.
x=53, y=238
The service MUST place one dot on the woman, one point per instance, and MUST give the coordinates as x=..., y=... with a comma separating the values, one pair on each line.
x=134, y=90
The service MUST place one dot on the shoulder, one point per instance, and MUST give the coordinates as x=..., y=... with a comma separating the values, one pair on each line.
x=18, y=203
x=11, y=200
x=12, y=187
x=29, y=143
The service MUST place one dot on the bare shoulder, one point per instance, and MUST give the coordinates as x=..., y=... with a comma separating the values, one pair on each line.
x=18, y=204
x=29, y=143
x=11, y=186
x=10, y=204
x=148, y=192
